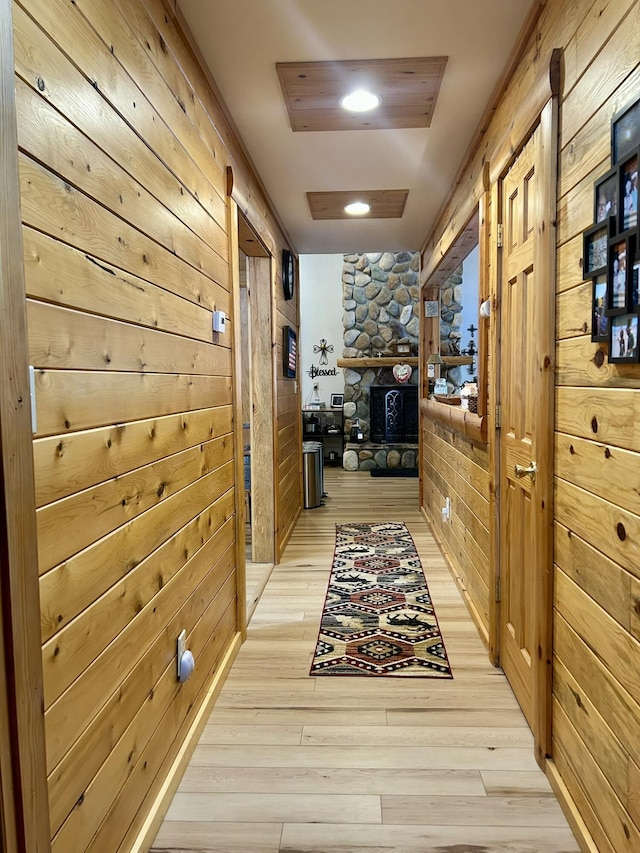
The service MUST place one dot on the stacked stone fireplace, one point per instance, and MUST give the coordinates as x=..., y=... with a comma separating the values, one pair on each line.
x=381, y=294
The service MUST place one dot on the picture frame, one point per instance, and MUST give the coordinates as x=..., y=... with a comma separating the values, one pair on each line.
x=605, y=194
x=289, y=352
x=594, y=250
x=623, y=339
x=600, y=320
x=619, y=282
x=628, y=193
x=635, y=286
x=403, y=348
x=625, y=132
x=337, y=401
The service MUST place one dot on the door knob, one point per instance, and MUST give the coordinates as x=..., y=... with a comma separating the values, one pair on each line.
x=521, y=471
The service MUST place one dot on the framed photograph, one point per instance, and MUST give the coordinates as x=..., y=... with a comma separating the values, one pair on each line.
x=623, y=342
x=628, y=216
x=594, y=251
x=600, y=322
x=337, y=401
x=635, y=286
x=625, y=132
x=289, y=352
x=619, y=290
x=606, y=196
x=401, y=349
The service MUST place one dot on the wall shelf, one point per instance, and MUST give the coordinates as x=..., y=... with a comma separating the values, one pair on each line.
x=457, y=359
x=459, y=419
x=386, y=361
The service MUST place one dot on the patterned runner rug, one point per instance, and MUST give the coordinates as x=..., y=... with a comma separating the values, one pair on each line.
x=378, y=618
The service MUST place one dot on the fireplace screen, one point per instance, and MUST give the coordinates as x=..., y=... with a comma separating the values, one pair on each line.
x=394, y=414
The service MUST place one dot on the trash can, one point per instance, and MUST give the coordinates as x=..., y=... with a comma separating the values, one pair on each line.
x=312, y=473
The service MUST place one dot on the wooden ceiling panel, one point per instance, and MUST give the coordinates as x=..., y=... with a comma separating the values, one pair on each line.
x=385, y=204
x=408, y=89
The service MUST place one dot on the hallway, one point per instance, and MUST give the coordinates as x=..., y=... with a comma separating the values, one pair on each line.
x=293, y=763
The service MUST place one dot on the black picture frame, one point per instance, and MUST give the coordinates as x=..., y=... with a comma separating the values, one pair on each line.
x=625, y=132
x=621, y=329
x=619, y=258
x=337, y=401
x=605, y=196
x=635, y=284
x=600, y=321
x=628, y=193
x=594, y=250
x=289, y=352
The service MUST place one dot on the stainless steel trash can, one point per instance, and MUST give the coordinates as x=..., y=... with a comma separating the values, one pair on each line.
x=312, y=473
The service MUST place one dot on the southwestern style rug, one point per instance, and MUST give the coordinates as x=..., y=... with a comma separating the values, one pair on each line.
x=378, y=618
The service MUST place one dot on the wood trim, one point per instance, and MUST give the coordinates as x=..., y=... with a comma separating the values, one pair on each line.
x=263, y=477
x=160, y=806
x=385, y=361
x=545, y=262
x=571, y=812
x=238, y=437
x=456, y=418
x=546, y=86
x=494, y=278
x=484, y=235
x=430, y=343
x=25, y=805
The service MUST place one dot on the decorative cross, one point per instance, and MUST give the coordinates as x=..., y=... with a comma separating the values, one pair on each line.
x=323, y=348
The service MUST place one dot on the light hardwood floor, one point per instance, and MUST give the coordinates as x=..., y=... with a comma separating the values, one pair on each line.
x=335, y=764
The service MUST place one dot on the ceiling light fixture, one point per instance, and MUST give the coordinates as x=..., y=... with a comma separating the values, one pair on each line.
x=360, y=101
x=357, y=208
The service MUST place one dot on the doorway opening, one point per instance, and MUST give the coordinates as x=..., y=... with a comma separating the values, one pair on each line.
x=255, y=408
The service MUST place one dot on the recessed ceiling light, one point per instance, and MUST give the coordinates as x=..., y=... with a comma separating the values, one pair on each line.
x=357, y=208
x=360, y=101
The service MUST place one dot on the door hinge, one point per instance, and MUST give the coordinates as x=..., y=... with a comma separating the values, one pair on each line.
x=498, y=416
x=500, y=235
x=498, y=598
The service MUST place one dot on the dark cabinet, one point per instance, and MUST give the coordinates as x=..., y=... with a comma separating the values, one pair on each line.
x=327, y=427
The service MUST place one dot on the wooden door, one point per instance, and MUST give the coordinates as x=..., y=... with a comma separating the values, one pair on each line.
x=526, y=434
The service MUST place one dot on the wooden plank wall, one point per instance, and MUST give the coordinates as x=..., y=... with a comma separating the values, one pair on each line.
x=289, y=434
x=596, y=702
x=455, y=467
x=123, y=156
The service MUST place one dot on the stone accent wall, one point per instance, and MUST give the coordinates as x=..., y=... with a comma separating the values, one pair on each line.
x=451, y=327
x=381, y=299
x=381, y=293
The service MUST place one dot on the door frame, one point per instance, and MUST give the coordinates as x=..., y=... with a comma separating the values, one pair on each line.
x=546, y=117
x=24, y=799
x=263, y=494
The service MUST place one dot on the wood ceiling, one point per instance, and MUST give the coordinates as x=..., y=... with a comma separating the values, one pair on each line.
x=408, y=89
x=385, y=204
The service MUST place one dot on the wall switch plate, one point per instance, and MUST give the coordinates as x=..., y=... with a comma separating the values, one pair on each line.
x=182, y=647
x=446, y=510
x=219, y=321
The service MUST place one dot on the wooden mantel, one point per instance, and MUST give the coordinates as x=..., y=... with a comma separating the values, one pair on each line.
x=386, y=361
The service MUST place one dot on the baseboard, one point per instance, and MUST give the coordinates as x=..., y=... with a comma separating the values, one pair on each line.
x=472, y=609
x=568, y=806
x=160, y=806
